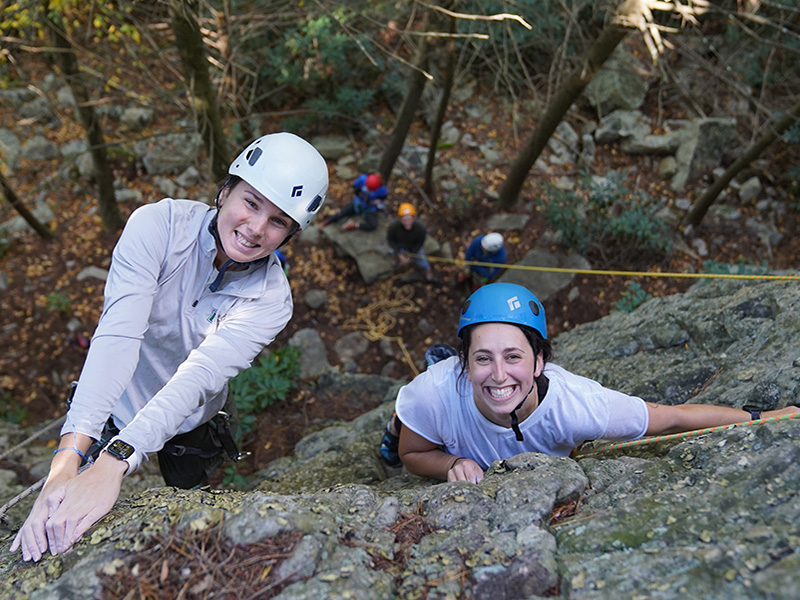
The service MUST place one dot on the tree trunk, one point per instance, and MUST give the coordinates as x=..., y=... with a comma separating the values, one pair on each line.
x=441, y=111
x=416, y=83
x=29, y=217
x=572, y=88
x=753, y=152
x=194, y=59
x=68, y=63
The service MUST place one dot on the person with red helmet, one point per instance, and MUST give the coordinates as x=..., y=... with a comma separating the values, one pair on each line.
x=368, y=196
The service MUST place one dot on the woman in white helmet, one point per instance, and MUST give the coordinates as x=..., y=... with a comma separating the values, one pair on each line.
x=193, y=295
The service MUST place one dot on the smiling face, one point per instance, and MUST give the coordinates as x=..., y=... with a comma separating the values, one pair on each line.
x=501, y=366
x=250, y=227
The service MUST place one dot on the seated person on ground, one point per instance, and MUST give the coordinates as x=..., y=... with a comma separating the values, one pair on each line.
x=368, y=196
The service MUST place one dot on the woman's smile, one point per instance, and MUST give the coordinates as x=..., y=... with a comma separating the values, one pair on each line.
x=501, y=367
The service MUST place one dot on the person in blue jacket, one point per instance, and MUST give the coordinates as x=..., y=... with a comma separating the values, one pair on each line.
x=487, y=248
x=368, y=196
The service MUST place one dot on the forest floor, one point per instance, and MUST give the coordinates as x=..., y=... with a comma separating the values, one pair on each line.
x=49, y=315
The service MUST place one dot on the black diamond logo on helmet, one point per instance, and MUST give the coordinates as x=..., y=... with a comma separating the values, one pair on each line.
x=297, y=191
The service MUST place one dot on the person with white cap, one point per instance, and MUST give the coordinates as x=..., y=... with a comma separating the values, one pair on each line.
x=488, y=248
x=194, y=294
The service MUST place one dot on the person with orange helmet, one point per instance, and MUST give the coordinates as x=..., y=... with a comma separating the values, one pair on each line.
x=406, y=235
x=368, y=196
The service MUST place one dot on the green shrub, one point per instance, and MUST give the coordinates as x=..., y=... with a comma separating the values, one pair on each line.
x=254, y=390
x=602, y=218
x=264, y=383
x=320, y=70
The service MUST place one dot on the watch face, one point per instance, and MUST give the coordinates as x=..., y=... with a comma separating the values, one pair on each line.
x=120, y=449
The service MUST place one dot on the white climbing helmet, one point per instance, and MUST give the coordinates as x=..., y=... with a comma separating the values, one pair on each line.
x=492, y=242
x=288, y=171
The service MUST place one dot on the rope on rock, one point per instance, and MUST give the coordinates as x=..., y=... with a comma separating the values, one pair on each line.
x=583, y=451
x=30, y=438
x=376, y=319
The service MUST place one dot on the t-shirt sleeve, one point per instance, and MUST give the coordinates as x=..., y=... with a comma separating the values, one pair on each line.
x=628, y=418
x=416, y=407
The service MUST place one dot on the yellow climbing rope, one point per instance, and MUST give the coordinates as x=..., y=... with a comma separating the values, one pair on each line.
x=376, y=319
x=583, y=450
x=461, y=262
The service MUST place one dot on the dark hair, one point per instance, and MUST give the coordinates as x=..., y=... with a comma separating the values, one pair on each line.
x=535, y=339
x=230, y=181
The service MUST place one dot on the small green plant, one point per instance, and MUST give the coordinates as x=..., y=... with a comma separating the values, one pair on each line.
x=255, y=389
x=631, y=298
x=740, y=268
x=264, y=383
x=12, y=411
x=5, y=244
x=58, y=301
x=600, y=216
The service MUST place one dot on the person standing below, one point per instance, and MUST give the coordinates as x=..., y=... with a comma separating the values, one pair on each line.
x=368, y=196
x=193, y=294
x=487, y=248
x=406, y=235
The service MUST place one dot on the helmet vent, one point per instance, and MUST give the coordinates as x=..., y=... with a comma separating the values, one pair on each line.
x=315, y=203
x=534, y=308
x=253, y=156
x=465, y=308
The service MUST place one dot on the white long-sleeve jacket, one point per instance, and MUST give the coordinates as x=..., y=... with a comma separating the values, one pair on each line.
x=166, y=346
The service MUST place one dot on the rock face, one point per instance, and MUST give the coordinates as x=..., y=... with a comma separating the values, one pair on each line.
x=707, y=516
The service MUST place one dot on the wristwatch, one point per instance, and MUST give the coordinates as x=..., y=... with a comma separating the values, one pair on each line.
x=121, y=450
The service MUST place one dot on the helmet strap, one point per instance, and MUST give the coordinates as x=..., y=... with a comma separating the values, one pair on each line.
x=515, y=419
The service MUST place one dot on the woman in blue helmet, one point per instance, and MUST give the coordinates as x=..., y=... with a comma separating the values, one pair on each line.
x=501, y=397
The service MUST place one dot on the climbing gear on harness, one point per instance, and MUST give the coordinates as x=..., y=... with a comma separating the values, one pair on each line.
x=438, y=352
x=219, y=429
x=288, y=171
x=503, y=303
x=390, y=443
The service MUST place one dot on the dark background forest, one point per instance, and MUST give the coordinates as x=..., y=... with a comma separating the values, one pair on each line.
x=386, y=75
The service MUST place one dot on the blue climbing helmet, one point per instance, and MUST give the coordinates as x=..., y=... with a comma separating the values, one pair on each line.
x=503, y=303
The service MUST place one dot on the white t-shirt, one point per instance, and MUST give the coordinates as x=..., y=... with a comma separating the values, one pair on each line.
x=439, y=406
